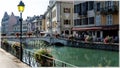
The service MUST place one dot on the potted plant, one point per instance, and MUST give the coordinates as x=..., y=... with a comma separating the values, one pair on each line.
x=16, y=48
x=17, y=34
x=88, y=39
x=43, y=57
x=108, y=39
x=29, y=34
x=5, y=44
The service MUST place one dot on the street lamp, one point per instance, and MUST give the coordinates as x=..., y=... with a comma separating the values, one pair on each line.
x=21, y=6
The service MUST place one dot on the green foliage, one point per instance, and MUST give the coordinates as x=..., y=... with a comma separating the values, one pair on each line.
x=108, y=39
x=44, y=61
x=88, y=38
x=16, y=45
x=5, y=42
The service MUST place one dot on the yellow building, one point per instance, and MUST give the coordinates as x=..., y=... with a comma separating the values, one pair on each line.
x=43, y=24
x=110, y=18
x=59, y=17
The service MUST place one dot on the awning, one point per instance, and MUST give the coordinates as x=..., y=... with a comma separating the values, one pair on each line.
x=110, y=27
x=86, y=28
x=114, y=27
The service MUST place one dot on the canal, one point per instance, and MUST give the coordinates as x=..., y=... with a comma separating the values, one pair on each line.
x=81, y=57
x=84, y=57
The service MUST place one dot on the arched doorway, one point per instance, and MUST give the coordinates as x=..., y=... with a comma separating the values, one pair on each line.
x=67, y=32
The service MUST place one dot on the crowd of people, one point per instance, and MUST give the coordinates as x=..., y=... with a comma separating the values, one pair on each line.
x=87, y=37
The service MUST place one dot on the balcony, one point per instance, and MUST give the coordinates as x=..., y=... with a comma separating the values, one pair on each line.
x=103, y=11
x=82, y=13
x=109, y=10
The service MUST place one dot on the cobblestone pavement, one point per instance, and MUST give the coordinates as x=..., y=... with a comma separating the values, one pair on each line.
x=9, y=61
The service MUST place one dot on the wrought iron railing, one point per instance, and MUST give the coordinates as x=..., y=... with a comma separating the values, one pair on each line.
x=28, y=57
x=109, y=9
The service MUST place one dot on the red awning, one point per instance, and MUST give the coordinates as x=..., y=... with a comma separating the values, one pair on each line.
x=86, y=28
x=110, y=27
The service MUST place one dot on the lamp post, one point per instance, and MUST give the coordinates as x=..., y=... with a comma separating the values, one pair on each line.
x=21, y=9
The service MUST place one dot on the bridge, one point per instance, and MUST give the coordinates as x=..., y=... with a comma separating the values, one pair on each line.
x=50, y=40
x=71, y=43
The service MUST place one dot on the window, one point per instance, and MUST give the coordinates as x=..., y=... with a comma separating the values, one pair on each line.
x=36, y=23
x=77, y=22
x=98, y=6
x=85, y=21
x=109, y=19
x=79, y=8
x=84, y=8
x=40, y=23
x=66, y=10
x=91, y=4
x=109, y=3
x=74, y=22
x=75, y=8
x=98, y=19
x=66, y=22
x=91, y=20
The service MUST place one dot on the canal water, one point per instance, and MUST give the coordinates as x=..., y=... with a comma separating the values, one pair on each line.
x=84, y=57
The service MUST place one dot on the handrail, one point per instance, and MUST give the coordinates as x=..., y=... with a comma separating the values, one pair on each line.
x=60, y=61
x=55, y=60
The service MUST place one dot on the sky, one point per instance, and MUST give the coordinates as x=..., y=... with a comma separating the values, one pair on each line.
x=32, y=7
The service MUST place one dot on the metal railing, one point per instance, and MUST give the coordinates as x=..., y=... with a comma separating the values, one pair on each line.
x=29, y=59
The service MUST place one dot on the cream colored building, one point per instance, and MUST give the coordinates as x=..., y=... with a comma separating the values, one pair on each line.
x=59, y=17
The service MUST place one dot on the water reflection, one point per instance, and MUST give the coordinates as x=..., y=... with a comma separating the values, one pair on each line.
x=85, y=57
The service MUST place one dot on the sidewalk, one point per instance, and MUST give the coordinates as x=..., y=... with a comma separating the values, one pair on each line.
x=9, y=61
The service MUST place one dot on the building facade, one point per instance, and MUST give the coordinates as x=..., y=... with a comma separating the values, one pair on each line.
x=17, y=28
x=7, y=23
x=96, y=18
x=59, y=17
x=35, y=23
x=4, y=23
